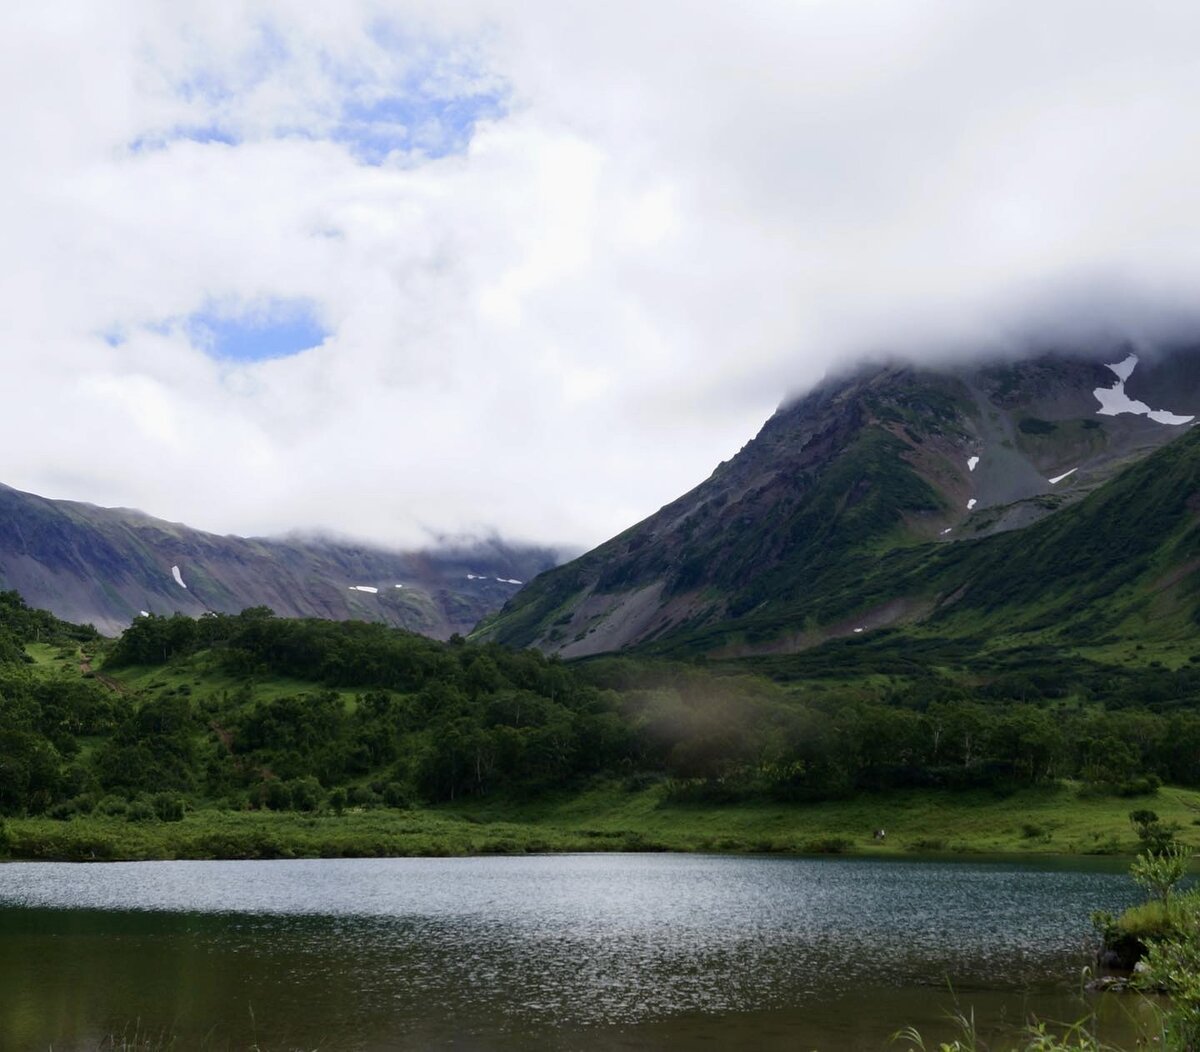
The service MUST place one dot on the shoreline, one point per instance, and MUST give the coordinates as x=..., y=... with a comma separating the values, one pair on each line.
x=1030, y=825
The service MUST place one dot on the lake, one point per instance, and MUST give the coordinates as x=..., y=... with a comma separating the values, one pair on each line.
x=563, y=952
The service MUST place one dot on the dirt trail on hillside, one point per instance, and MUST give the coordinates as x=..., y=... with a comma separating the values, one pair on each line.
x=85, y=667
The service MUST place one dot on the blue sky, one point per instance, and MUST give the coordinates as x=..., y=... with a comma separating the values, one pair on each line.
x=432, y=126
x=427, y=103
x=278, y=329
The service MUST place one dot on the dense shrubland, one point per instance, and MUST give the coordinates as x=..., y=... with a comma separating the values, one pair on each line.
x=254, y=711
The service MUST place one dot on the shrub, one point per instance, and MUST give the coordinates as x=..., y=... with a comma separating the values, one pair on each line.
x=277, y=796
x=1159, y=873
x=306, y=794
x=364, y=796
x=1156, y=836
x=1033, y=426
x=1143, y=785
x=168, y=807
x=112, y=805
x=397, y=795
x=140, y=811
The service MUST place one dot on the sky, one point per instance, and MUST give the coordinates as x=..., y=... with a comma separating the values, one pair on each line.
x=405, y=271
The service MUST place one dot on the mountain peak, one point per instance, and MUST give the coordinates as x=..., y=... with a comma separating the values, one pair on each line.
x=882, y=459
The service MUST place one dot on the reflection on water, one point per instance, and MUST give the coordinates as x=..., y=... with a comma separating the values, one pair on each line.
x=588, y=951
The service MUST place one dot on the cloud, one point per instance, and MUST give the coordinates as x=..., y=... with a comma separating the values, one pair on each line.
x=554, y=261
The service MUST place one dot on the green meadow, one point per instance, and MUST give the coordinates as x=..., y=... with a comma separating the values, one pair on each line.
x=1054, y=820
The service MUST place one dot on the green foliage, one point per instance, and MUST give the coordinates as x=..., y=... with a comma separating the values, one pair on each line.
x=1155, y=835
x=140, y=810
x=21, y=624
x=307, y=717
x=1172, y=966
x=1032, y=426
x=1160, y=872
x=338, y=800
x=168, y=807
x=1145, y=922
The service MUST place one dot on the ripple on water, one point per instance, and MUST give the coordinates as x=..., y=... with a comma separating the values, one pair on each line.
x=600, y=938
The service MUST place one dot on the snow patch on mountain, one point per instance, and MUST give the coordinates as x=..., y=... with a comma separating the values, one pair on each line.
x=178, y=576
x=1058, y=478
x=971, y=463
x=1114, y=401
x=364, y=588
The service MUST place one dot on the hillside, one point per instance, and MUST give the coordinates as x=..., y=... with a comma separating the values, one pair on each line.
x=254, y=736
x=852, y=507
x=105, y=566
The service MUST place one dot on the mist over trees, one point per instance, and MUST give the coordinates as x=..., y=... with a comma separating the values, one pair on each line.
x=256, y=711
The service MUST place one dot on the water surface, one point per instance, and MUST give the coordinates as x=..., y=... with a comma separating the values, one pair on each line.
x=567, y=951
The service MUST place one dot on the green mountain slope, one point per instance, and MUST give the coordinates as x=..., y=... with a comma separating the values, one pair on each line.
x=864, y=505
x=1120, y=565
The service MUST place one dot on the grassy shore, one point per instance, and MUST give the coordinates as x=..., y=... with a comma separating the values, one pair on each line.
x=1051, y=821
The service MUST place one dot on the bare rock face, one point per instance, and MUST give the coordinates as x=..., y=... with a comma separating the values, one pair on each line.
x=870, y=464
x=105, y=566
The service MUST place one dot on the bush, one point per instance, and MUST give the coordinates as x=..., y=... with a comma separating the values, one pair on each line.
x=363, y=796
x=397, y=795
x=276, y=795
x=168, y=807
x=306, y=794
x=115, y=806
x=1144, y=785
x=338, y=800
x=1159, y=873
x=1173, y=967
x=140, y=811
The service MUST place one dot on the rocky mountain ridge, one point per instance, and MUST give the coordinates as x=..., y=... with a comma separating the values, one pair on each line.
x=106, y=566
x=868, y=468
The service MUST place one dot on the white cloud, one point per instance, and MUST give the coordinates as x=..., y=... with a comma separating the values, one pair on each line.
x=671, y=215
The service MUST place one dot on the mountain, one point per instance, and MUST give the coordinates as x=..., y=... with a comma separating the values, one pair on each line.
x=104, y=566
x=889, y=495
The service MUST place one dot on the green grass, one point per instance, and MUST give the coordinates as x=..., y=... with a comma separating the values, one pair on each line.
x=609, y=818
x=49, y=657
x=1148, y=920
x=202, y=677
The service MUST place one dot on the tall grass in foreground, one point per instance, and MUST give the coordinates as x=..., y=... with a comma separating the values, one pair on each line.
x=1038, y=1037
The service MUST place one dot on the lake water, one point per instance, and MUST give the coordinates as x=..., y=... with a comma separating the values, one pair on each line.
x=561, y=952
